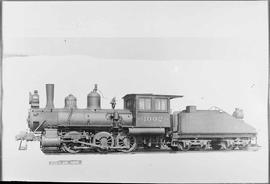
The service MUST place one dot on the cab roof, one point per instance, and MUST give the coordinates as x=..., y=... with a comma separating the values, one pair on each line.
x=152, y=95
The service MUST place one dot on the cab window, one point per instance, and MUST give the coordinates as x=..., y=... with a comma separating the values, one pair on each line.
x=160, y=104
x=145, y=104
x=129, y=104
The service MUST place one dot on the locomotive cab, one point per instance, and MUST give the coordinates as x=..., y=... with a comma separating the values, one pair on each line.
x=149, y=110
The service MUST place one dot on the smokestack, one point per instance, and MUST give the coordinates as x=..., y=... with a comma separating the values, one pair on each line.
x=49, y=94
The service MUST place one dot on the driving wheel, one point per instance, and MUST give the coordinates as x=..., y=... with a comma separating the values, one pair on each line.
x=104, y=140
x=127, y=142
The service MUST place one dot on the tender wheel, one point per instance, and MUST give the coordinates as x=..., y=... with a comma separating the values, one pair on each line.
x=229, y=147
x=203, y=148
x=184, y=148
x=128, y=143
x=223, y=145
x=216, y=145
x=174, y=148
x=243, y=147
x=103, y=139
x=180, y=147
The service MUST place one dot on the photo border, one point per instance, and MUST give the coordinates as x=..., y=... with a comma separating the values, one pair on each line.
x=1, y=64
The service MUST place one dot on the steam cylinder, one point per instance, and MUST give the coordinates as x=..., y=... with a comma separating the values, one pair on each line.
x=93, y=99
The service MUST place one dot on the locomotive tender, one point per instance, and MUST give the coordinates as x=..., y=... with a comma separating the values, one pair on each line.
x=144, y=122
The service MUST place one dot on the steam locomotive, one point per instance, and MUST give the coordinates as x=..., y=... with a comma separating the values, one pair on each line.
x=144, y=122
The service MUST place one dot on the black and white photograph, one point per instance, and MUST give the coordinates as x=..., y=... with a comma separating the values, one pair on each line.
x=135, y=91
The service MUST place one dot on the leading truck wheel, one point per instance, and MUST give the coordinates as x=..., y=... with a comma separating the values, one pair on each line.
x=70, y=147
x=128, y=143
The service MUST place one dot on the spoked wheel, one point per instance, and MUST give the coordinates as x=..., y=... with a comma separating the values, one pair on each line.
x=229, y=147
x=243, y=147
x=180, y=147
x=196, y=148
x=163, y=145
x=203, y=148
x=128, y=142
x=223, y=145
x=70, y=147
x=183, y=147
x=104, y=140
x=174, y=148
x=216, y=145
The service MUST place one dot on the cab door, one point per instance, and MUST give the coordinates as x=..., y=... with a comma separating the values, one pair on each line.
x=130, y=104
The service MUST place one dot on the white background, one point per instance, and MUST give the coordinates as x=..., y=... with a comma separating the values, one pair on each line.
x=213, y=53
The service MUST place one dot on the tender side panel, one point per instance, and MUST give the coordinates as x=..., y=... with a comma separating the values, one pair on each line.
x=206, y=136
x=212, y=122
